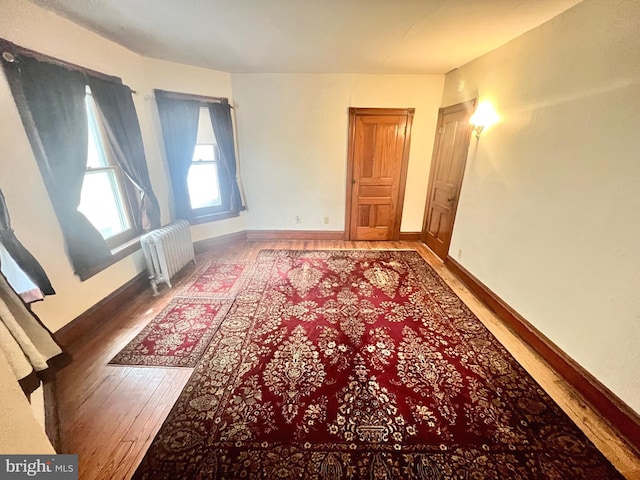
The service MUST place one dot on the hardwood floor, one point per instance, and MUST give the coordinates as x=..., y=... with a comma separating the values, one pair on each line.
x=110, y=414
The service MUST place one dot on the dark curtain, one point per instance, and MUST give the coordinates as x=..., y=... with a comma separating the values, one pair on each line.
x=121, y=121
x=220, y=114
x=50, y=99
x=179, y=121
x=21, y=255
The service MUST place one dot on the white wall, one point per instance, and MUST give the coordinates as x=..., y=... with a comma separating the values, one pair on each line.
x=293, y=130
x=31, y=212
x=549, y=214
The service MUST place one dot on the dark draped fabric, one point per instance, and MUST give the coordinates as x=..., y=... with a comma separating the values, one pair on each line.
x=220, y=114
x=121, y=122
x=179, y=121
x=21, y=255
x=50, y=99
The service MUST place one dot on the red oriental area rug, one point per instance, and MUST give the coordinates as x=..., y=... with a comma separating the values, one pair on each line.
x=338, y=365
x=178, y=336
x=215, y=280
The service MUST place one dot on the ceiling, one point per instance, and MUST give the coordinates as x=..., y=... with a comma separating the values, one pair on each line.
x=311, y=36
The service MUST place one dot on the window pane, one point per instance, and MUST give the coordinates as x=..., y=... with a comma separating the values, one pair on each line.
x=204, y=152
x=205, y=129
x=204, y=190
x=95, y=154
x=101, y=203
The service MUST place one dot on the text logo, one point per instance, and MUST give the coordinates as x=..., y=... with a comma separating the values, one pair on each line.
x=50, y=467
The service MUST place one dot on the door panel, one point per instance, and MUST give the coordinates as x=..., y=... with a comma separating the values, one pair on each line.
x=378, y=153
x=447, y=169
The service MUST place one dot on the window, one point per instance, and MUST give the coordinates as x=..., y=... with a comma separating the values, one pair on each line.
x=204, y=187
x=98, y=184
x=200, y=148
x=104, y=198
x=206, y=190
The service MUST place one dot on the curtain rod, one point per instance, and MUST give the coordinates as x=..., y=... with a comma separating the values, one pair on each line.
x=189, y=96
x=9, y=50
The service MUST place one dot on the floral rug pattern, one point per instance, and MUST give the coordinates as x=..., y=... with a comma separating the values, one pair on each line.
x=336, y=365
x=178, y=336
x=215, y=280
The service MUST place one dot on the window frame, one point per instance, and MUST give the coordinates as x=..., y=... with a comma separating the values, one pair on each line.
x=125, y=188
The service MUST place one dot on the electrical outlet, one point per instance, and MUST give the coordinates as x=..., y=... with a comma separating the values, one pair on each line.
x=326, y=220
x=298, y=219
x=459, y=253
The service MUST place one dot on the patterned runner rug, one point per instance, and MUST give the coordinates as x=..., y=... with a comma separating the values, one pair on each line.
x=215, y=280
x=178, y=336
x=362, y=365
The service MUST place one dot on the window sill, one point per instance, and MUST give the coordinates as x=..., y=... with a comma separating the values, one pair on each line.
x=118, y=253
x=213, y=217
x=127, y=248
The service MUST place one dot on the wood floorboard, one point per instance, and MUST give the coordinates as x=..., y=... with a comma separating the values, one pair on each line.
x=110, y=414
x=121, y=408
x=148, y=420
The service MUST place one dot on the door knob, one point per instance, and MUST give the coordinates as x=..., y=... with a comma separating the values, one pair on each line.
x=450, y=199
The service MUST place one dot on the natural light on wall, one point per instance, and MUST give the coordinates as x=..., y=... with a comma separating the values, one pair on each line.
x=484, y=116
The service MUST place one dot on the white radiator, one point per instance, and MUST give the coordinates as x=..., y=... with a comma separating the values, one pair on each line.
x=166, y=250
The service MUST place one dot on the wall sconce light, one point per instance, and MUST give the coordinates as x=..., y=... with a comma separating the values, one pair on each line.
x=483, y=117
x=477, y=130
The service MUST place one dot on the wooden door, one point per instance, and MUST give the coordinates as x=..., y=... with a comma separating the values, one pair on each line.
x=447, y=169
x=379, y=141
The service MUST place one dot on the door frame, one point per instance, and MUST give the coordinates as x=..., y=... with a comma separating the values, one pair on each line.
x=458, y=107
x=353, y=112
